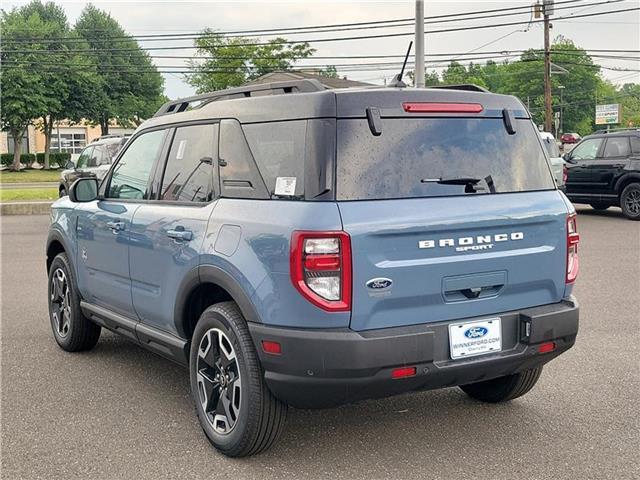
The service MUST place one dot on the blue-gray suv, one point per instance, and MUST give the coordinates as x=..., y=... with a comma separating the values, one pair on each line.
x=299, y=246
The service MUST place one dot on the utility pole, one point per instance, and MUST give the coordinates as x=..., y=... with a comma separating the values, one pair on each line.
x=419, y=41
x=547, y=10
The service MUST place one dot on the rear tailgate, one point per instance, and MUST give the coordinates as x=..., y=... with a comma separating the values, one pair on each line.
x=454, y=258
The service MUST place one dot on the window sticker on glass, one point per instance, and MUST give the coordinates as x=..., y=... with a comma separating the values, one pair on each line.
x=285, y=186
x=181, y=148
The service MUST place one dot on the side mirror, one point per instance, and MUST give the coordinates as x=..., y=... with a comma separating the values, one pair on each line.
x=69, y=165
x=84, y=190
x=567, y=158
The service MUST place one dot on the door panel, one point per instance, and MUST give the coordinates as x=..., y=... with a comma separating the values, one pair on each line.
x=103, y=254
x=579, y=169
x=610, y=165
x=104, y=227
x=167, y=234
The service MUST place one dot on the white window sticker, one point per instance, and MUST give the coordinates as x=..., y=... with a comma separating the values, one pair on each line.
x=285, y=186
x=181, y=147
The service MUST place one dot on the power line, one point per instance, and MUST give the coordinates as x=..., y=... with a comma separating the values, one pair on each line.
x=328, y=27
x=339, y=39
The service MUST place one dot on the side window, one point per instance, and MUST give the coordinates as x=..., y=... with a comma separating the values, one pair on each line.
x=188, y=175
x=130, y=177
x=279, y=151
x=586, y=150
x=239, y=175
x=84, y=158
x=96, y=157
x=616, y=147
x=635, y=145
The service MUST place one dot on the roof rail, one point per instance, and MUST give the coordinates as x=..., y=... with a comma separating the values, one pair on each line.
x=103, y=137
x=247, y=91
x=470, y=87
x=612, y=130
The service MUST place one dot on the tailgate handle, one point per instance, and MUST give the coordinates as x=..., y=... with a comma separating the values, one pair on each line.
x=471, y=287
x=475, y=292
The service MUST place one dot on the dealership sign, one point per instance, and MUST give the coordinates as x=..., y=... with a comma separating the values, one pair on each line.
x=607, y=114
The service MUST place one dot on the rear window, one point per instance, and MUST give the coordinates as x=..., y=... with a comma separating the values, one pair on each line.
x=551, y=146
x=422, y=157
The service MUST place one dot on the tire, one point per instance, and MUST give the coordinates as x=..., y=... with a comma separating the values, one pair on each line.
x=254, y=422
x=630, y=201
x=72, y=330
x=503, y=389
x=62, y=192
x=600, y=206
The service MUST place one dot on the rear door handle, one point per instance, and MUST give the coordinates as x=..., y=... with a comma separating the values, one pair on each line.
x=180, y=235
x=116, y=226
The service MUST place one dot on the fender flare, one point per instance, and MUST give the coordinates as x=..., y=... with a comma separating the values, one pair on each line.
x=56, y=235
x=218, y=276
x=624, y=178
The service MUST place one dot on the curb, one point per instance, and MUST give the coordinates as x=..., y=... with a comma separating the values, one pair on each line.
x=25, y=208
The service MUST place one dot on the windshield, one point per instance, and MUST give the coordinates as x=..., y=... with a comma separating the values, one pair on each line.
x=551, y=146
x=426, y=157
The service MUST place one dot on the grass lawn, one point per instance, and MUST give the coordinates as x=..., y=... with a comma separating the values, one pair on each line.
x=28, y=194
x=30, y=176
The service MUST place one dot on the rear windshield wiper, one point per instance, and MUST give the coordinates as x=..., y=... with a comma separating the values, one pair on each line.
x=452, y=181
x=469, y=182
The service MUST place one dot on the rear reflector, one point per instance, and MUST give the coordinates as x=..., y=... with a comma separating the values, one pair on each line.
x=547, y=347
x=273, y=348
x=428, y=107
x=403, y=372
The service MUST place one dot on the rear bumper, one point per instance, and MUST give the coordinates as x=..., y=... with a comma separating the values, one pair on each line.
x=323, y=368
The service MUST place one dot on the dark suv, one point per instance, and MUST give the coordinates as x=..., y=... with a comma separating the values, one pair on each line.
x=293, y=245
x=604, y=171
x=94, y=161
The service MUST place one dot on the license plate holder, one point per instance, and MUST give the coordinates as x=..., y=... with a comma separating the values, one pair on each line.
x=469, y=339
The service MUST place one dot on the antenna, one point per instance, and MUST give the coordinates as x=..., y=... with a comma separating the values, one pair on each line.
x=397, y=80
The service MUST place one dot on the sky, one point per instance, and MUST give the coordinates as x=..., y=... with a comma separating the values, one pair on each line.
x=614, y=31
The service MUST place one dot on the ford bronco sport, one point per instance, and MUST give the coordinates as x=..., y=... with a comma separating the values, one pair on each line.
x=299, y=246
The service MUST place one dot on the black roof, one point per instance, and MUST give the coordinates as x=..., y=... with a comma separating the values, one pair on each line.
x=625, y=132
x=249, y=106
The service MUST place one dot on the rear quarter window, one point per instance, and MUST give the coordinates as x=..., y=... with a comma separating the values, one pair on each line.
x=410, y=155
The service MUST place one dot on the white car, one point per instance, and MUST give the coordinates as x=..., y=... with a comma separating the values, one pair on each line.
x=557, y=163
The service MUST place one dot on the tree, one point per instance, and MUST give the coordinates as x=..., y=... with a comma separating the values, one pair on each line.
x=23, y=94
x=69, y=76
x=131, y=84
x=330, y=72
x=223, y=62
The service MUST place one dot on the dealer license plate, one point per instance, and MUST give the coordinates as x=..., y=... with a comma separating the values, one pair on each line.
x=475, y=338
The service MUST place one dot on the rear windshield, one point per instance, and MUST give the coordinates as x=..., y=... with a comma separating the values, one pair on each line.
x=428, y=157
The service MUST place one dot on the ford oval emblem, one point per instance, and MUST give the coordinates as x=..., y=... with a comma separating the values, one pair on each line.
x=379, y=283
x=476, y=332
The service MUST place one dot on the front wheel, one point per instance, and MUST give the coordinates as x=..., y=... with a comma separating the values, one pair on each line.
x=62, y=192
x=71, y=329
x=236, y=410
x=630, y=201
x=503, y=389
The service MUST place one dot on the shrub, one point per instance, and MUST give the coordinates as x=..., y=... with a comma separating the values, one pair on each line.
x=26, y=158
x=58, y=159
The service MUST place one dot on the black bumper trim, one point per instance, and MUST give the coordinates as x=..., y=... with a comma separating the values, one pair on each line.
x=323, y=368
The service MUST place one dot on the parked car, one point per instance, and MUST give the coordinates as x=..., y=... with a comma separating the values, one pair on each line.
x=604, y=171
x=293, y=245
x=570, y=138
x=94, y=161
x=557, y=162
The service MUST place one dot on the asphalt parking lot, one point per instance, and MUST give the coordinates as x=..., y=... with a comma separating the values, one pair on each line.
x=121, y=412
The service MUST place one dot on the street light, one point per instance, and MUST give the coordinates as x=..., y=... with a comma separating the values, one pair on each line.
x=561, y=88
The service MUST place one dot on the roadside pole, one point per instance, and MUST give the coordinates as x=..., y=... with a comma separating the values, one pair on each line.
x=419, y=41
x=547, y=10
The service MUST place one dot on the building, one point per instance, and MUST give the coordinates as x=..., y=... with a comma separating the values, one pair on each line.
x=288, y=75
x=66, y=137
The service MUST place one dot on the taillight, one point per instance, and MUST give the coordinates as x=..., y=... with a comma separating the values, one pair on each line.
x=572, y=249
x=432, y=107
x=321, y=268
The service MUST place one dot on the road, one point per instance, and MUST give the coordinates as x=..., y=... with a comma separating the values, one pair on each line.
x=121, y=412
